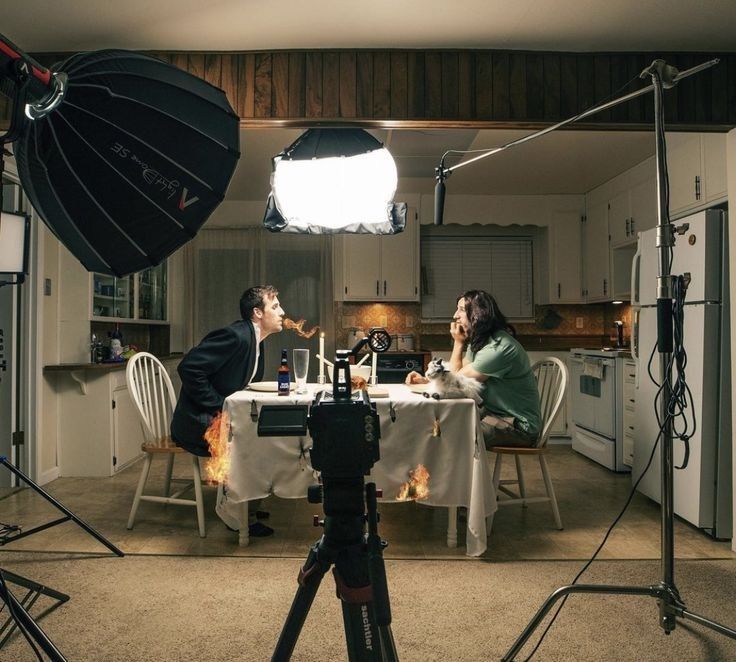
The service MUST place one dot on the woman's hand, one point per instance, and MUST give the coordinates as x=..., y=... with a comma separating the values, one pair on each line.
x=415, y=378
x=458, y=332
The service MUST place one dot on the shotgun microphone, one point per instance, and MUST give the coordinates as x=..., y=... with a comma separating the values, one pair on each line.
x=439, y=195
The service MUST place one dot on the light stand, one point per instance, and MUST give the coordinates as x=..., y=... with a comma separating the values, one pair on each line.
x=671, y=606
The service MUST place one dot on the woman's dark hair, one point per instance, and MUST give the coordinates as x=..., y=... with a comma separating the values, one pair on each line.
x=255, y=297
x=485, y=318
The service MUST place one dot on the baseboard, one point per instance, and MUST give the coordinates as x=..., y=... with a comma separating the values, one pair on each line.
x=48, y=476
x=559, y=441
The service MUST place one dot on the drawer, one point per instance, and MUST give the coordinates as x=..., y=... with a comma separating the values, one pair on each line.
x=599, y=449
x=630, y=373
x=628, y=450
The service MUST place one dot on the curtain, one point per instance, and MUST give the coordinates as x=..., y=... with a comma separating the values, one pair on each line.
x=223, y=263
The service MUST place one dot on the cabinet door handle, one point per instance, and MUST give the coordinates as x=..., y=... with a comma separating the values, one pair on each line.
x=605, y=287
x=627, y=227
x=377, y=288
x=559, y=290
x=697, y=187
x=384, y=288
x=631, y=225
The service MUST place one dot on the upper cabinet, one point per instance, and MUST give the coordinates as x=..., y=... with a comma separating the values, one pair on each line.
x=378, y=268
x=632, y=204
x=565, y=264
x=696, y=164
x=142, y=296
x=597, y=280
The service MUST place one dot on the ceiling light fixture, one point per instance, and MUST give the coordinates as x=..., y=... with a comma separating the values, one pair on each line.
x=334, y=180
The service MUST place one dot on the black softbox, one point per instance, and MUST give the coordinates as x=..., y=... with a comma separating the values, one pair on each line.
x=131, y=162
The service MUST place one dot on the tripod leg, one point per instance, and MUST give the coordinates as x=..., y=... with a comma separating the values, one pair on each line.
x=562, y=592
x=59, y=506
x=310, y=577
x=29, y=627
x=358, y=613
x=706, y=622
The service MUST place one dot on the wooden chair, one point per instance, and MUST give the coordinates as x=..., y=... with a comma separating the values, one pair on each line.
x=153, y=394
x=551, y=375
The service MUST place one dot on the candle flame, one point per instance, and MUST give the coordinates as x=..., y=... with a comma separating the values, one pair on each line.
x=298, y=327
x=417, y=487
x=217, y=434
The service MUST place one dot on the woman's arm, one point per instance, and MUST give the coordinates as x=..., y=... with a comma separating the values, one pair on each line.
x=459, y=336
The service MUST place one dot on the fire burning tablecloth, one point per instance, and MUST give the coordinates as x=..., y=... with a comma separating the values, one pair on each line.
x=419, y=437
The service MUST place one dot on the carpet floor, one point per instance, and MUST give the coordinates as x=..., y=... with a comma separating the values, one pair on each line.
x=163, y=608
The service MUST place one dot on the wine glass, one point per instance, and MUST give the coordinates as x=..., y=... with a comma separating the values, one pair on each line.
x=301, y=366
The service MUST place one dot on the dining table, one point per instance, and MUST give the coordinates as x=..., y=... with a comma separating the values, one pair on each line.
x=444, y=436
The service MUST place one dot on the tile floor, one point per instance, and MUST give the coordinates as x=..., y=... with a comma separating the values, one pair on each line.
x=589, y=497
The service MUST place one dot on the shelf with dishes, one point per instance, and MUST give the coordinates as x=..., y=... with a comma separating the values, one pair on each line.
x=140, y=297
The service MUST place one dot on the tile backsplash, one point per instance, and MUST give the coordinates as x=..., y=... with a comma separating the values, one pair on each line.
x=550, y=320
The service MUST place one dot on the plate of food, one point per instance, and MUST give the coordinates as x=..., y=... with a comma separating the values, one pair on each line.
x=268, y=387
x=418, y=388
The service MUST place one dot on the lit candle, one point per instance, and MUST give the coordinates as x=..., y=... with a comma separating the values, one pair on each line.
x=321, y=379
x=374, y=365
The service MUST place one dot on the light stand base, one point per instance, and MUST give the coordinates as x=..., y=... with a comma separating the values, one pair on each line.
x=19, y=610
x=670, y=608
x=69, y=515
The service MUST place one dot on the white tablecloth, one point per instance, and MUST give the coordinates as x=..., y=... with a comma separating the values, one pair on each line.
x=455, y=459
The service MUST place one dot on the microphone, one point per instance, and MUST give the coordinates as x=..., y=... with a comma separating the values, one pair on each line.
x=439, y=194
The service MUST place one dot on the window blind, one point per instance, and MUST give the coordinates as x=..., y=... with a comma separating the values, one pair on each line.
x=501, y=266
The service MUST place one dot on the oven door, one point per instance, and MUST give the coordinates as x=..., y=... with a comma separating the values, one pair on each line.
x=593, y=395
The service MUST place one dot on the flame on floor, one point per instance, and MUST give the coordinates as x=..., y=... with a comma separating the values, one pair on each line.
x=298, y=327
x=217, y=466
x=417, y=487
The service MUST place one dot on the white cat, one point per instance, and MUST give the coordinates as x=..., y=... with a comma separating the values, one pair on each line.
x=445, y=384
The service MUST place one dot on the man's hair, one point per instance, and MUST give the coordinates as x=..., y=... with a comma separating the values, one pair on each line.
x=485, y=318
x=255, y=297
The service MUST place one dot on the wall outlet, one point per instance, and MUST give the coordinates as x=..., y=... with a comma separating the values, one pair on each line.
x=47, y=287
x=409, y=321
x=578, y=322
x=383, y=321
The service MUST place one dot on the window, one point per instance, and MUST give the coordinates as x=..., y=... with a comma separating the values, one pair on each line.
x=227, y=261
x=500, y=265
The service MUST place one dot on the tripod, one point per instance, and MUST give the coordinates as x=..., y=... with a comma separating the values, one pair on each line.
x=671, y=606
x=69, y=515
x=19, y=610
x=359, y=574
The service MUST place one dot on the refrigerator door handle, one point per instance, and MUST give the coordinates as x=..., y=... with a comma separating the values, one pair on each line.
x=635, y=264
x=635, y=343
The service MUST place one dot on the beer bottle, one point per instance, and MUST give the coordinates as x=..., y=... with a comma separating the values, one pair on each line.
x=283, y=376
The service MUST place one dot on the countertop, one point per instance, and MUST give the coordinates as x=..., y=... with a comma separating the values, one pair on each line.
x=118, y=365
x=536, y=343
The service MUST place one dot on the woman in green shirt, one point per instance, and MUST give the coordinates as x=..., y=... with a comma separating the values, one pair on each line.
x=494, y=357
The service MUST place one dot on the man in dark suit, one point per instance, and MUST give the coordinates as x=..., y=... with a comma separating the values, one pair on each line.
x=225, y=361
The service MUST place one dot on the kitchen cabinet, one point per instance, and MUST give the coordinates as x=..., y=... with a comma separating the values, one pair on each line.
x=378, y=268
x=633, y=207
x=565, y=280
x=139, y=297
x=99, y=429
x=597, y=269
x=697, y=171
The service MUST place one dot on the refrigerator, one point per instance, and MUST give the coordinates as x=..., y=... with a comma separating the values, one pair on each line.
x=702, y=490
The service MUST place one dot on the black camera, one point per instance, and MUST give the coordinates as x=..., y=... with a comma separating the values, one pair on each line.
x=345, y=436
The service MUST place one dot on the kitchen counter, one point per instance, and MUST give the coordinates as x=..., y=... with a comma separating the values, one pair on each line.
x=543, y=343
x=117, y=365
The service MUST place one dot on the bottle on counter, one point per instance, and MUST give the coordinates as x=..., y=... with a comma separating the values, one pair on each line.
x=116, y=344
x=284, y=383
